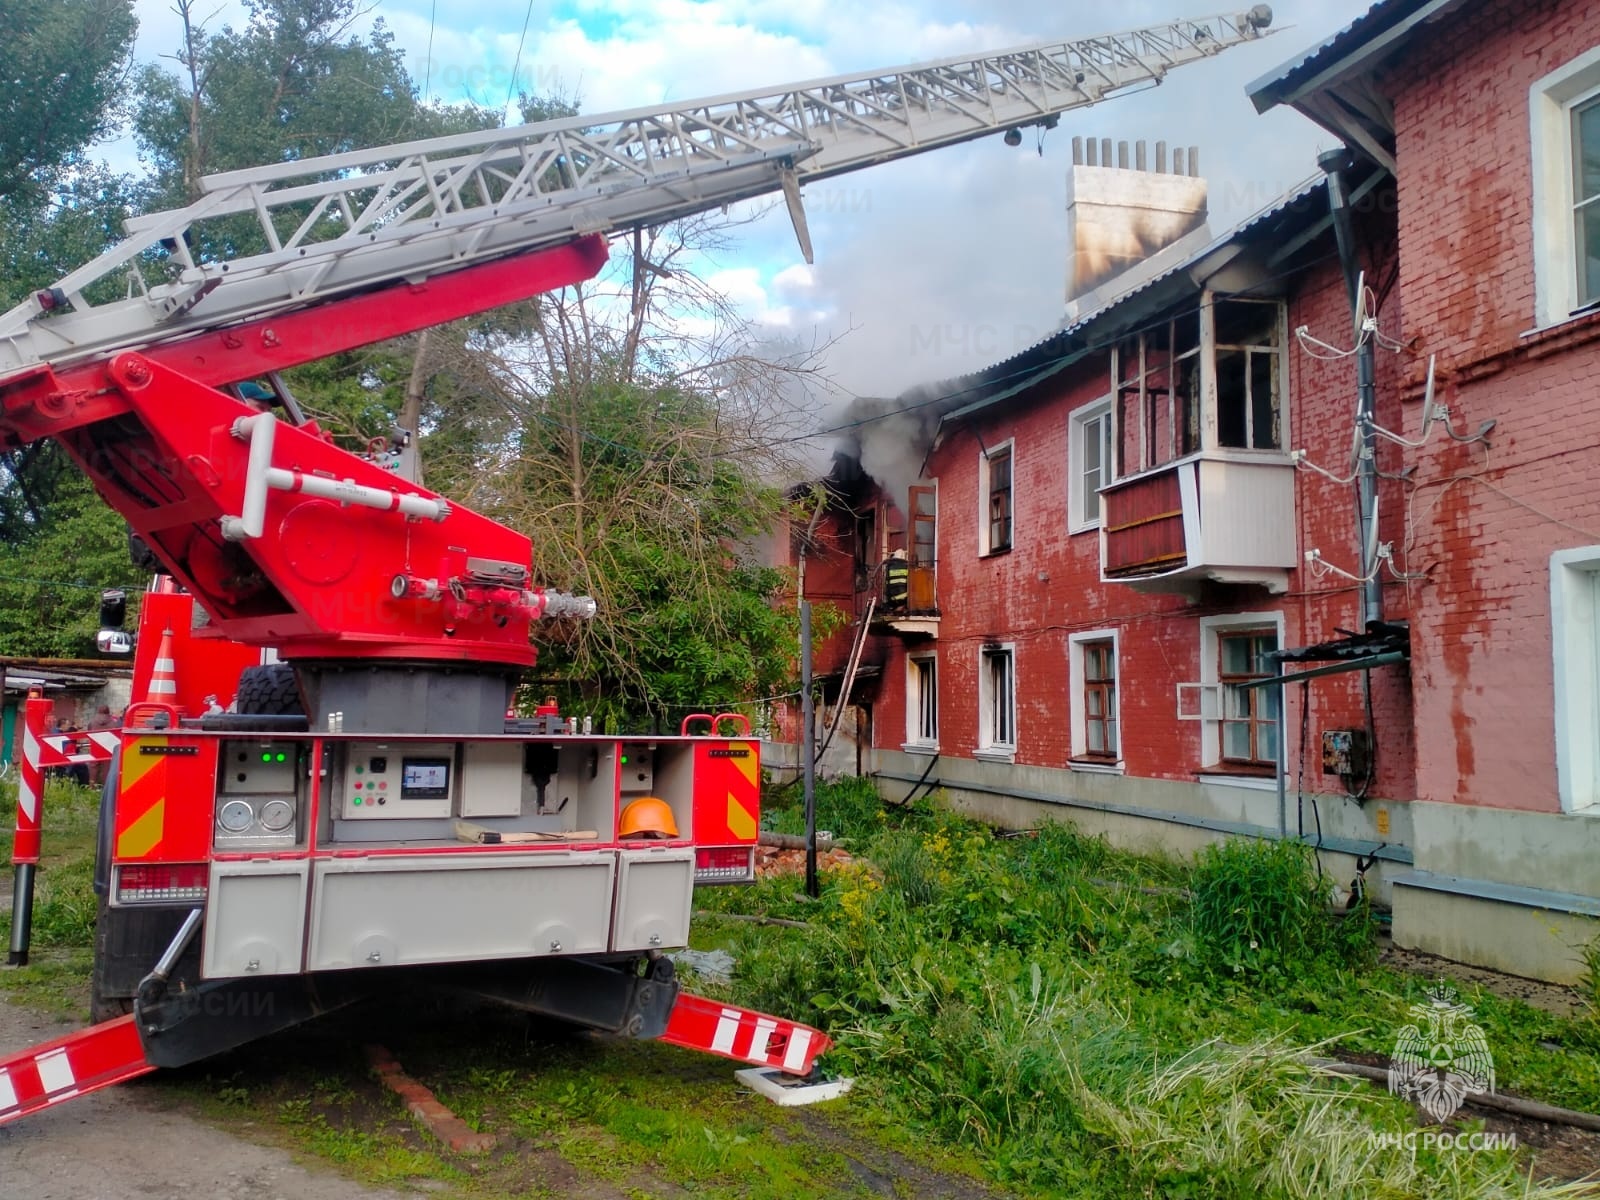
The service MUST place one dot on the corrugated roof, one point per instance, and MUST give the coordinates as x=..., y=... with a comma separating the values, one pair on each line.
x=1073, y=342
x=1281, y=82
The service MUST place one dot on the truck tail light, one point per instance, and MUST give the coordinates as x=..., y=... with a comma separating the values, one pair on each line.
x=725, y=864
x=161, y=883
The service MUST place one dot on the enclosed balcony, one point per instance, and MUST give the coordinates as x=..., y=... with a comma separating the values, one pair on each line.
x=907, y=600
x=1205, y=518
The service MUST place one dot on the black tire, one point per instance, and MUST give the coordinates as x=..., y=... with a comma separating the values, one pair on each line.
x=102, y=1005
x=271, y=690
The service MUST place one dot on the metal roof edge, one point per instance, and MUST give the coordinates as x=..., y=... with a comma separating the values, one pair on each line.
x=1379, y=29
x=1068, y=345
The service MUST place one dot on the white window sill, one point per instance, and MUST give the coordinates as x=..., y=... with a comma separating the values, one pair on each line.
x=1097, y=768
x=997, y=754
x=1585, y=314
x=919, y=748
x=1086, y=527
x=1257, y=783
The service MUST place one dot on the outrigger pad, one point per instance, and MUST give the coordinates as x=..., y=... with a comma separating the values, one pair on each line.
x=211, y=1018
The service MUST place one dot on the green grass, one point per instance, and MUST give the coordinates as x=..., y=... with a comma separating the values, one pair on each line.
x=56, y=979
x=1089, y=1023
x=1043, y=1012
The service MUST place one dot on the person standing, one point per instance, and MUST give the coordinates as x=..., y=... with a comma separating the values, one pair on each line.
x=102, y=720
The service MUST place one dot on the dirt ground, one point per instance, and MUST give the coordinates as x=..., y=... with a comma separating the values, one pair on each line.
x=130, y=1142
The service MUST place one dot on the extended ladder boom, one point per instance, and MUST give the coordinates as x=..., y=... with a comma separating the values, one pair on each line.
x=305, y=231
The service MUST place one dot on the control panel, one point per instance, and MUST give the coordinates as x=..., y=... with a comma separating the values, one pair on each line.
x=257, y=797
x=636, y=769
x=398, y=780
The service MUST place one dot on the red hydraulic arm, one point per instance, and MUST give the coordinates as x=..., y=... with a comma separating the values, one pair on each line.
x=286, y=539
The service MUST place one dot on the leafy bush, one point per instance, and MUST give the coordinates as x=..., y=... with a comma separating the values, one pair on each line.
x=1261, y=909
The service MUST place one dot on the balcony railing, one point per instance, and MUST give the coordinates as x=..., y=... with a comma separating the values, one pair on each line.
x=907, y=603
x=1218, y=517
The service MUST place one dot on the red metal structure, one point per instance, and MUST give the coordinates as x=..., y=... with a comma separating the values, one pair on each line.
x=282, y=839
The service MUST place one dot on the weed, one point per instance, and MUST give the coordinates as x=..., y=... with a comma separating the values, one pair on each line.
x=1261, y=909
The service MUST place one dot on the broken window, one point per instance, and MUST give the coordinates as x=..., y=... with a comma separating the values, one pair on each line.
x=996, y=476
x=922, y=705
x=922, y=503
x=1249, y=367
x=1155, y=377
x=866, y=549
x=997, y=681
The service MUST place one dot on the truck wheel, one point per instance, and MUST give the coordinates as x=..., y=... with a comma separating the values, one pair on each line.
x=103, y=1007
x=269, y=691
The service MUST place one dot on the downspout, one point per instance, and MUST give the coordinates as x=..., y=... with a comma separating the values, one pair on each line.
x=1336, y=163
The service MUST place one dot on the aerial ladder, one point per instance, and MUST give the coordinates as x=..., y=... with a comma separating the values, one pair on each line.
x=393, y=827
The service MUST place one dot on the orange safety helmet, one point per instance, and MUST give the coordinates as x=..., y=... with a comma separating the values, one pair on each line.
x=647, y=815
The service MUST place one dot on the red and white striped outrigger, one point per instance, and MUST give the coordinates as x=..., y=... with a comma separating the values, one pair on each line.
x=115, y=1051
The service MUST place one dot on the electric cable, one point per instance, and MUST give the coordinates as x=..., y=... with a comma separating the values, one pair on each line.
x=516, y=64
x=427, y=62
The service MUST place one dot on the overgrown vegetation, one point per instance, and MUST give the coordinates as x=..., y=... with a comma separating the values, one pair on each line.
x=57, y=976
x=1066, y=1019
x=1097, y=1023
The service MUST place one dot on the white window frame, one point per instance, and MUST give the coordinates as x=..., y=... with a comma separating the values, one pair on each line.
x=1551, y=101
x=1210, y=708
x=989, y=745
x=1575, y=641
x=984, y=455
x=1080, y=723
x=915, y=742
x=1079, y=519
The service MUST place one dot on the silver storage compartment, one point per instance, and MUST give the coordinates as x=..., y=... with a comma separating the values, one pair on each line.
x=255, y=919
x=655, y=891
x=423, y=908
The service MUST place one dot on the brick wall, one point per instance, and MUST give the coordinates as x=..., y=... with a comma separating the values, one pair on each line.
x=1486, y=521
x=1048, y=587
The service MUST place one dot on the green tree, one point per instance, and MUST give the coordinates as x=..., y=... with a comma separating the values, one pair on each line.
x=50, y=579
x=634, y=431
x=62, y=69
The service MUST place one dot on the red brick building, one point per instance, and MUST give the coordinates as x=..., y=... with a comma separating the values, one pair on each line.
x=1115, y=539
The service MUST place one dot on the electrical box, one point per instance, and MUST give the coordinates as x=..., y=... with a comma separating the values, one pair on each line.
x=257, y=801
x=1345, y=752
x=396, y=780
x=491, y=779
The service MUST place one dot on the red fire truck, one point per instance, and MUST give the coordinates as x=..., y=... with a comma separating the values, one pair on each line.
x=361, y=816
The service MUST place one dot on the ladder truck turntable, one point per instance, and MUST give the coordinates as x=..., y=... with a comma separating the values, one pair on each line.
x=383, y=825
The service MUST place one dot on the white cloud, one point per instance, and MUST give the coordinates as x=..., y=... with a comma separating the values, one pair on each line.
x=930, y=266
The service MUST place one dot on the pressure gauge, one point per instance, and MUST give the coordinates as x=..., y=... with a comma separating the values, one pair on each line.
x=277, y=816
x=236, y=816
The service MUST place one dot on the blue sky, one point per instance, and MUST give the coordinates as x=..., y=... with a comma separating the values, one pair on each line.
x=927, y=267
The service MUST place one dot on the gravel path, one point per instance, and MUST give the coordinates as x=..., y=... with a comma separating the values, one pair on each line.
x=124, y=1144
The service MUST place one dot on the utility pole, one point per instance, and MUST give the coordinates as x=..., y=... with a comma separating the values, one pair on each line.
x=808, y=750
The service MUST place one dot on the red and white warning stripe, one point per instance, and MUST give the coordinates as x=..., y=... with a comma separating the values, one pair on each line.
x=75, y=1065
x=30, y=782
x=746, y=1036
x=58, y=749
x=164, y=675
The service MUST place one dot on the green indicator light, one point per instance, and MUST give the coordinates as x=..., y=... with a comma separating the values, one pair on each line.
x=624, y=760
x=266, y=758
x=280, y=758
x=359, y=770
x=358, y=801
